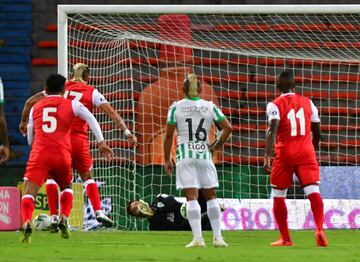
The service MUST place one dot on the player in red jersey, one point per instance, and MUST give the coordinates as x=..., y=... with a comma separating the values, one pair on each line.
x=78, y=89
x=51, y=121
x=292, y=119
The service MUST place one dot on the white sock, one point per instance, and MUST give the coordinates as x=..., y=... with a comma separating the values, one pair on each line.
x=194, y=217
x=214, y=214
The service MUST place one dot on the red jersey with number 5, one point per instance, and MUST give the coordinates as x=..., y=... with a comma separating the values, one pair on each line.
x=295, y=112
x=89, y=97
x=53, y=117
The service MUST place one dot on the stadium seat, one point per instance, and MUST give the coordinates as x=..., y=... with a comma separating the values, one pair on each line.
x=44, y=62
x=47, y=44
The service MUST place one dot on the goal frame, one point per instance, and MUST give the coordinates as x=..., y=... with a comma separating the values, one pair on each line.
x=65, y=10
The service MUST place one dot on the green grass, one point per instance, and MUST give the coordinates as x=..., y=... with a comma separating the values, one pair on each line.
x=169, y=246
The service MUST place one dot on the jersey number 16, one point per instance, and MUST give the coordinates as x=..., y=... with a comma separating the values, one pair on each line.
x=200, y=133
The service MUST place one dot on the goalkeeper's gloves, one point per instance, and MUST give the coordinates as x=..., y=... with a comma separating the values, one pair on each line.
x=144, y=209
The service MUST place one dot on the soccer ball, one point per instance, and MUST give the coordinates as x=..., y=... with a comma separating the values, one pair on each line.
x=183, y=210
x=42, y=222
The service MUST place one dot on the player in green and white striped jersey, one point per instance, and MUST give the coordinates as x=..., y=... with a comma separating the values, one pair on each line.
x=4, y=148
x=193, y=118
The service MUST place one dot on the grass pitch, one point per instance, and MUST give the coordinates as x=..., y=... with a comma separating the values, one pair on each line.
x=169, y=246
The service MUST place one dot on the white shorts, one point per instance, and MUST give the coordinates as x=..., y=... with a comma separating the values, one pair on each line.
x=196, y=173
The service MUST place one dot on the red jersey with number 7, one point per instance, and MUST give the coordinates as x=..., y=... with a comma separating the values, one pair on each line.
x=89, y=97
x=295, y=113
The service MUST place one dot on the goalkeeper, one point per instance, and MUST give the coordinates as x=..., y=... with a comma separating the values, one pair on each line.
x=164, y=214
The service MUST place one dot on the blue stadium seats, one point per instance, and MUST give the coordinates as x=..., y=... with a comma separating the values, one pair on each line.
x=15, y=58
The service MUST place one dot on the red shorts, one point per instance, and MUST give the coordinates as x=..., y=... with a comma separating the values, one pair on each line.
x=80, y=154
x=42, y=165
x=282, y=173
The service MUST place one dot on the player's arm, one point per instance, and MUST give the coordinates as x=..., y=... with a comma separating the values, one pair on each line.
x=170, y=130
x=30, y=128
x=100, y=101
x=5, y=148
x=315, y=126
x=4, y=140
x=274, y=120
x=26, y=110
x=81, y=111
x=223, y=124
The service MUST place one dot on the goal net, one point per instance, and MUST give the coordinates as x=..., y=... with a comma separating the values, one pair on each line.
x=139, y=61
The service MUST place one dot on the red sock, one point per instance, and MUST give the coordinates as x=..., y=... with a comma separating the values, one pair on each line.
x=66, y=202
x=92, y=192
x=280, y=213
x=317, y=207
x=52, y=196
x=27, y=208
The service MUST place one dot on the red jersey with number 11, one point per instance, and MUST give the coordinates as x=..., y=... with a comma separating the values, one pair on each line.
x=295, y=112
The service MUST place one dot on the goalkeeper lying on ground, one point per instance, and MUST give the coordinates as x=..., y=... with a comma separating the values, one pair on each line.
x=165, y=213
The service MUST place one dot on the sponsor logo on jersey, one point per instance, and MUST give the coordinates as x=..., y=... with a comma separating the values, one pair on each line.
x=198, y=147
x=190, y=109
x=171, y=217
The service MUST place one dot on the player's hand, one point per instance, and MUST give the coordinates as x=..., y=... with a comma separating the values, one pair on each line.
x=105, y=150
x=169, y=168
x=132, y=139
x=4, y=154
x=267, y=164
x=23, y=128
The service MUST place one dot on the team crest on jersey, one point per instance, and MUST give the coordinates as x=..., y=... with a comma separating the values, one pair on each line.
x=190, y=109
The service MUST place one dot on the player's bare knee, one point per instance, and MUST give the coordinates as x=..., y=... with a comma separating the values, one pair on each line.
x=86, y=176
x=310, y=189
x=191, y=193
x=279, y=192
x=66, y=188
x=31, y=188
x=209, y=194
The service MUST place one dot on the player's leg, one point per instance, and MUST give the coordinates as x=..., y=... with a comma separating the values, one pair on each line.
x=52, y=193
x=281, y=179
x=309, y=176
x=27, y=209
x=187, y=180
x=209, y=182
x=82, y=162
x=34, y=177
x=317, y=207
x=66, y=204
x=193, y=211
x=64, y=178
x=92, y=192
x=281, y=214
x=214, y=214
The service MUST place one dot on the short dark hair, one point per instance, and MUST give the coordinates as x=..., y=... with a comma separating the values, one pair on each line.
x=55, y=83
x=287, y=74
x=286, y=81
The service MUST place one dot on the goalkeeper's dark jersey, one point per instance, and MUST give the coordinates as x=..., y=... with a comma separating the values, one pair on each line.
x=168, y=217
x=167, y=214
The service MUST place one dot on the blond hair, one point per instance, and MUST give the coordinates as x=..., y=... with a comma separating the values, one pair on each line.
x=193, y=85
x=78, y=72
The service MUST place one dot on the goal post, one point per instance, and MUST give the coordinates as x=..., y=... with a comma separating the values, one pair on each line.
x=139, y=55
